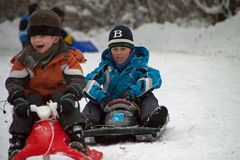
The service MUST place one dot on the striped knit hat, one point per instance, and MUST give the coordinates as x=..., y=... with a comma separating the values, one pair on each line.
x=120, y=36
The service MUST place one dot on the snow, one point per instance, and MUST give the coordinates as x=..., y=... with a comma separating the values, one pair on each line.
x=71, y=9
x=200, y=72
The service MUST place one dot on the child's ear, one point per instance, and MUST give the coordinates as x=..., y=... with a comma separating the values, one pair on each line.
x=56, y=39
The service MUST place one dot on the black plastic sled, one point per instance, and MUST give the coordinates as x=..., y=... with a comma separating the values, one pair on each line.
x=121, y=125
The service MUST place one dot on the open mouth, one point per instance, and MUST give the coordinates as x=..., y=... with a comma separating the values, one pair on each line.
x=39, y=46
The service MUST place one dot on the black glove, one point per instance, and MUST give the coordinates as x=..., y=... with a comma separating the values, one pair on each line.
x=74, y=91
x=15, y=94
x=66, y=103
x=35, y=99
x=126, y=95
x=105, y=102
x=21, y=107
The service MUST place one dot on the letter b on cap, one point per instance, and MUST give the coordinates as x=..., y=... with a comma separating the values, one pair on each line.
x=117, y=33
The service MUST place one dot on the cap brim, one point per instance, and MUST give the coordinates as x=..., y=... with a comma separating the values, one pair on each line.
x=121, y=44
x=44, y=30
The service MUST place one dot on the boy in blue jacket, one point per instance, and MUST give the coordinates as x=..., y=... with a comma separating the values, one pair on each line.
x=124, y=73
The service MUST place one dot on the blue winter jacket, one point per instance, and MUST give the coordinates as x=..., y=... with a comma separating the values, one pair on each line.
x=137, y=77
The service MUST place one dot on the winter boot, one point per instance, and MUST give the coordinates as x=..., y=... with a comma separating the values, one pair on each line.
x=158, y=118
x=17, y=143
x=76, y=139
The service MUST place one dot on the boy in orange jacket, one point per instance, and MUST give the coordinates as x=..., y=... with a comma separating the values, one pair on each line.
x=44, y=70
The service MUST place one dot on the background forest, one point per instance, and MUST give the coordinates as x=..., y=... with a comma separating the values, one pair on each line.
x=85, y=15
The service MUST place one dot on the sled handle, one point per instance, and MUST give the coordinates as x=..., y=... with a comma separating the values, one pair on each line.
x=44, y=112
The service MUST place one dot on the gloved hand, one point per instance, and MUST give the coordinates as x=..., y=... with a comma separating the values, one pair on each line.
x=105, y=102
x=15, y=94
x=126, y=95
x=74, y=91
x=66, y=103
x=21, y=107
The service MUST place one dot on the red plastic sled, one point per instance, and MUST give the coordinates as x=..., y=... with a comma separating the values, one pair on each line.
x=46, y=138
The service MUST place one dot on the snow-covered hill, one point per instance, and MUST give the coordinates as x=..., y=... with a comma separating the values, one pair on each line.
x=200, y=71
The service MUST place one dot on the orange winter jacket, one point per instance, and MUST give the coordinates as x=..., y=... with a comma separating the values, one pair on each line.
x=63, y=71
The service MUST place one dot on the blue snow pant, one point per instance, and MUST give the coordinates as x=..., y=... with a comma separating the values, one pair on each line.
x=147, y=104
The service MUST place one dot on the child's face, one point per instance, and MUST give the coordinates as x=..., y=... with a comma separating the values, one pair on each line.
x=43, y=43
x=120, y=54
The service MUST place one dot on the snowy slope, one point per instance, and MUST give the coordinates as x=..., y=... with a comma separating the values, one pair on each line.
x=200, y=71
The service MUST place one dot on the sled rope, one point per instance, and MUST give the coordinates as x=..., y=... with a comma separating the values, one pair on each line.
x=103, y=125
x=138, y=108
x=51, y=142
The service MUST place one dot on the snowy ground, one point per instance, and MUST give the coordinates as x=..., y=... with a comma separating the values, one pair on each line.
x=200, y=71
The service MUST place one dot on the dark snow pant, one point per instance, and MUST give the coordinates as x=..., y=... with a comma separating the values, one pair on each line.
x=147, y=104
x=24, y=125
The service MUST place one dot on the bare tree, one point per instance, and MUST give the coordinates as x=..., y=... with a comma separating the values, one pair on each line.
x=106, y=13
x=218, y=9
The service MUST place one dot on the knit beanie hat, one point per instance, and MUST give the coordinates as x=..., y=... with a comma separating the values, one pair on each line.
x=120, y=36
x=58, y=11
x=33, y=7
x=44, y=22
